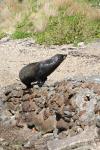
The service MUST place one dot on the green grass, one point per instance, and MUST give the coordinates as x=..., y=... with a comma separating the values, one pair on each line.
x=68, y=29
x=23, y=29
x=2, y=34
x=20, y=35
x=61, y=29
x=93, y=2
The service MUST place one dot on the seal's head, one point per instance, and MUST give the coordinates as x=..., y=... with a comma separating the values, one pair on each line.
x=60, y=57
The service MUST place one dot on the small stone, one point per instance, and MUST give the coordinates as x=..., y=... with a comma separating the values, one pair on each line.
x=85, y=137
x=28, y=106
x=7, y=92
x=5, y=39
x=32, y=140
x=11, y=106
x=10, y=122
x=41, y=144
x=16, y=147
x=62, y=125
x=48, y=136
x=44, y=126
x=8, y=97
x=1, y=140
x=68, y=114
x=67, y=119
x=81, y=45
x=25, y=97
x=17, y=93
x=5, y=143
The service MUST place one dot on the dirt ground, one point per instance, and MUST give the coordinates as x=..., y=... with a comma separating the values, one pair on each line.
x=81, y=61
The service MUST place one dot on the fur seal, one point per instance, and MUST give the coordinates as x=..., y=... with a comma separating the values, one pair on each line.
x=38, y=71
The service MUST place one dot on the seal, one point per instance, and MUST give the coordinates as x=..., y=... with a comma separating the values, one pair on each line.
x=39, y=71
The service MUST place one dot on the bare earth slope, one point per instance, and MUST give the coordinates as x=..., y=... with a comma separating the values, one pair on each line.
x=14, y=54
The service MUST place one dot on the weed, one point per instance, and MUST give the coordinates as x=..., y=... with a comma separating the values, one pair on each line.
x=20, y=35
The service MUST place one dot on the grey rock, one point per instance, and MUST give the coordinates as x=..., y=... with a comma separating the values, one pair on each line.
x=45, y=126
x=7, y=92
x=87, y=147
x=28, y=106
x=4, y=115
x=16, y=147
x=10, y=122
x=1, y=148
x=25, y=97
x=17, y=93
x=5, y=39
x=93, y=78
x=81, y=45
x=67, y=119
x=68, y=114
x=85, y=138
x=55, y=133
x=40, y=102
x=5, y=143
x=50, y=93
x=1, y=140
x=8, y=97
x=26, y=42
x=1, y=104
x=30, y=143
x=40, y=145
x=48, y=136
x=84, y=101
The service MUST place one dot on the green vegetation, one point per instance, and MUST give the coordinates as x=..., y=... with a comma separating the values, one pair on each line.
x=59, y=22
x=2, y=34
x=68, y=29
x=20, y=35
x=23, y=29
x=94, y=2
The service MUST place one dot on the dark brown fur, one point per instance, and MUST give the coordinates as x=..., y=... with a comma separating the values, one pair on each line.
x=38, y=71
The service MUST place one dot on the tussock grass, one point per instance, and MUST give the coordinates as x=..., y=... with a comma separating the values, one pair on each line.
x=71, y=22
x=74, y=7
x=11, y=12
x=51, y=22
x=51, y=8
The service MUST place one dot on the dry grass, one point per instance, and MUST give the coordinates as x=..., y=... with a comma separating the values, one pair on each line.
x=50, y=8
x=74, y=7
x=11, y=12
x=42, y=16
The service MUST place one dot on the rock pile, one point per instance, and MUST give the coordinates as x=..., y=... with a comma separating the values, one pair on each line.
x=57, y=114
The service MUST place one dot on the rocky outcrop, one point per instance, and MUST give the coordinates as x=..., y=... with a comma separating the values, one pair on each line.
x=62, y=116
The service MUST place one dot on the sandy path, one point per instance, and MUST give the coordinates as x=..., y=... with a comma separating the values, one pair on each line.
x=15, y=54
